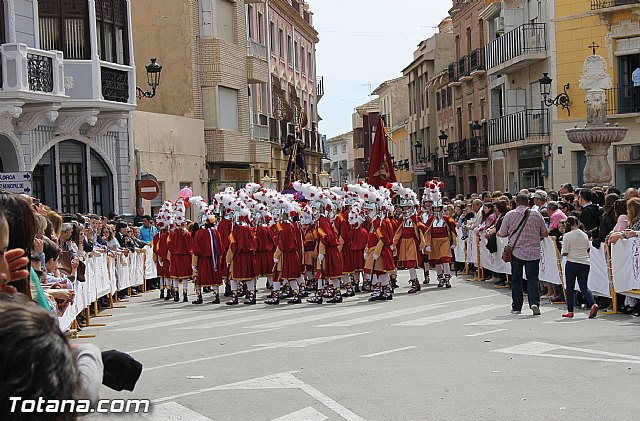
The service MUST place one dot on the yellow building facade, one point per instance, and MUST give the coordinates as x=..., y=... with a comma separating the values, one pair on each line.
x=613, y=26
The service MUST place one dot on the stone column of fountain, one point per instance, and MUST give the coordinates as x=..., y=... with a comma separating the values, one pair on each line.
x=598, y=135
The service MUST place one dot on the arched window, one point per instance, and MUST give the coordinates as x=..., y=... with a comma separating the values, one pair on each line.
x=111, y=25
x=64, y=26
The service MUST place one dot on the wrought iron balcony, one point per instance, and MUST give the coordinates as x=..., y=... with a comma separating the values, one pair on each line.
x=29, y=73
x=517, y=48
x=452, y=71
x=523, y=125
x=478, y=148
x=623, y=99
x=476, y=60
x=463, y=67
x=115, y=84
x=606, y=4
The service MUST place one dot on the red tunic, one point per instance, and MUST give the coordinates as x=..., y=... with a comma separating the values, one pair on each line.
x=379, y=241
x=331, y=267
x=358, y=242
x=288, y=250
x=242, y=246
x=180, y=244
x=264, y=254
x=440, y=240
x=224, y=229
x=160, y=249
x=206, y=245
x=343, y=229
x=407, y=242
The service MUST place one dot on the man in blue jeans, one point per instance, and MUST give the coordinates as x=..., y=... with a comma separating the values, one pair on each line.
x=525, y=241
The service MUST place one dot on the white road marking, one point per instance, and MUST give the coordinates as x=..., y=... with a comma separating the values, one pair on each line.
x=290, y=344
x=263, y=315
x=157, y=316
x=324, y=315
x=179, y=321
x=388, y=352
x=303, y=343
x=449, y=316
x=284, y=380
x=486, y=333
x=153, y=348
x=383, y=316
x=539, y=349
x=489, y=322
x=307, y=414
x=173, y=411
x=398, y=313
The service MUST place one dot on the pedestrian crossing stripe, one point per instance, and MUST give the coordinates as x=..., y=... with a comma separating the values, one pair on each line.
x=450, y=316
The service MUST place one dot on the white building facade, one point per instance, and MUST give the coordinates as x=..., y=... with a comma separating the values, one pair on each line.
x=68, y=89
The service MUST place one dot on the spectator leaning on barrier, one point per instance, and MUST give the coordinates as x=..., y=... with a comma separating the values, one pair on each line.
x=608, y=221
x=526, y=252
x=633, y=214
x=622, y=222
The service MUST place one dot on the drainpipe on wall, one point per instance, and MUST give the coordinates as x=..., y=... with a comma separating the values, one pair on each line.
x=136, y=153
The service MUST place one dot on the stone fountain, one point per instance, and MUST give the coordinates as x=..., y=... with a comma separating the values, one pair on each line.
x=597, y=135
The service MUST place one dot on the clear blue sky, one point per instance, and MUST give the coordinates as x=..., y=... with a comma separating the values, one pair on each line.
x=346, y=55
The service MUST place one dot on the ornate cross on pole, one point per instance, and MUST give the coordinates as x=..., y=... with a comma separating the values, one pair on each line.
x=593, y=47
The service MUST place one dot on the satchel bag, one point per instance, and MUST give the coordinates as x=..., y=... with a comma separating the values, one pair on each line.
x=507, y=253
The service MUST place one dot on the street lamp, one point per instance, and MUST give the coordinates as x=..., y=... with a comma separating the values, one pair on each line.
x=325, y=179
x=266, y=182
x=563, y=100
x=443, y=137
x=418, y=146
x=153, y=79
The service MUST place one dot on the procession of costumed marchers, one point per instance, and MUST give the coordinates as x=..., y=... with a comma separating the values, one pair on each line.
x=319, y=244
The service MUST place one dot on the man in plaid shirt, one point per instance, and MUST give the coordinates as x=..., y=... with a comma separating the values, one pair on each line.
x=526, y=252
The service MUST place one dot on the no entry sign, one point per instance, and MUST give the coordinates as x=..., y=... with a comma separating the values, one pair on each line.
x=148, y=189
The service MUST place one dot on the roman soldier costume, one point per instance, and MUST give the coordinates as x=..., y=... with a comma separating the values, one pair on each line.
x=180, y=249
x=240, y=255
x=408, y=240
x=206, y=253
x=440, y=237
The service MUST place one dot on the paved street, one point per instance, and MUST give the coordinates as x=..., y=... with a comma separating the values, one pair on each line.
x=441, y=354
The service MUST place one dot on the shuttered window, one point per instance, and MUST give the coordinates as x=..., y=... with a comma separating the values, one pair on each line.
x=64, y=26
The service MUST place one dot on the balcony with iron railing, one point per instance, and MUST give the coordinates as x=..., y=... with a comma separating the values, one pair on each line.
x=464, y=70
x=31, y=74
x=603, y=5
x=623, y=99
x=453, y=74
x=476, y=61
x=516, y=49
x=520, y=126
x=468, y=149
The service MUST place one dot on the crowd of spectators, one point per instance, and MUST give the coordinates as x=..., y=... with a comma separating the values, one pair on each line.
x=41, y=254
x=605, y=215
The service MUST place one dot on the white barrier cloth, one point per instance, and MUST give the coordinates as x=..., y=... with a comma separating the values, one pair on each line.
x=549, y=271
x=625, y=264
x=599, y=272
